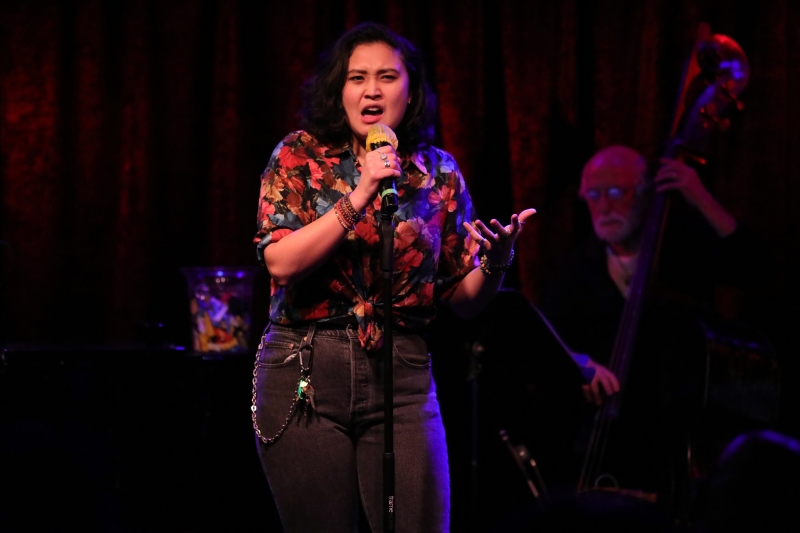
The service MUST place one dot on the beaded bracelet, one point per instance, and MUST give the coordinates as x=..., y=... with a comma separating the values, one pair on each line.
x=346, y=214
x=495, y=270
x=340, y=213
x=348, y=205
x=344, y=219
x=339, y=218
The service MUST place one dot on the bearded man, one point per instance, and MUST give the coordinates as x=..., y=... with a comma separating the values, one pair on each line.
x=585, y=301
x=702, y=247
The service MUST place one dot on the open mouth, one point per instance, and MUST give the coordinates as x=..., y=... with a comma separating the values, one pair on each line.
x=372, y=111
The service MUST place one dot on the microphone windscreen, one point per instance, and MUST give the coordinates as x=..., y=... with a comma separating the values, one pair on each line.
x=380, y=133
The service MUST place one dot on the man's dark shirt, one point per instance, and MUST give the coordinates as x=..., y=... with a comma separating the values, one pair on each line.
x=585, y=306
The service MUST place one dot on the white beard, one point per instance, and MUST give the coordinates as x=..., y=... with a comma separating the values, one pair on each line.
x=615, y=234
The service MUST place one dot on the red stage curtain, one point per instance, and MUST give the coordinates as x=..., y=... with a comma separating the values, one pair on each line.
x=133, y=133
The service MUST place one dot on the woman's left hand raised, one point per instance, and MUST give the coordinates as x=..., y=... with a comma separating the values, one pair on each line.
x=498, y=240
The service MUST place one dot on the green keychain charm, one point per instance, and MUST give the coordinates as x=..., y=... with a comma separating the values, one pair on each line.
x=305, y=392
x=301, y=388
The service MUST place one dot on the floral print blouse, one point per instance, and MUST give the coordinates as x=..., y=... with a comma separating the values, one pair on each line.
x=432, y=251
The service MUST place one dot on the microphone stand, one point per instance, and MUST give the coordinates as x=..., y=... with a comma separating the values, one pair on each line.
x=475, y=352
x=388, y=207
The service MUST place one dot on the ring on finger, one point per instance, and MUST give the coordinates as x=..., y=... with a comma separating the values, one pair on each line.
x=385, y=164
x=383, y=155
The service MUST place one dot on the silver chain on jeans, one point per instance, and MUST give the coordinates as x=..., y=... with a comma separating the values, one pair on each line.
x=295, y=402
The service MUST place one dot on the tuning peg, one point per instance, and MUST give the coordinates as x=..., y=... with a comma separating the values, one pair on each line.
x=709, y=119
x=726, y=90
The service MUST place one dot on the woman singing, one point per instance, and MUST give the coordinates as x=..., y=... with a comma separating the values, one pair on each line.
x=317, y=388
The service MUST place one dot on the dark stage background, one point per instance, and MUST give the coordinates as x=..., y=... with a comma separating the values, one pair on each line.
x=133, y=133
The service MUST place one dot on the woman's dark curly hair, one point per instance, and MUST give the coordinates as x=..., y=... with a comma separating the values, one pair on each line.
x=323, y=113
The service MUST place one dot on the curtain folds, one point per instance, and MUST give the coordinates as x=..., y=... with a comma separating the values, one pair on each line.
x=133, y=133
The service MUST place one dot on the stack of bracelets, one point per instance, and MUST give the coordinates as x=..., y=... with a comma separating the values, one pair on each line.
x=346, y=214
x=495, y=270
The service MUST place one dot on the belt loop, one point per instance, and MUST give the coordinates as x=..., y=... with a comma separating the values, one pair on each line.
x=263, y=341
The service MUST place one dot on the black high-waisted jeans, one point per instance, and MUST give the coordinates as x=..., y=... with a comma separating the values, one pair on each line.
x=320, y=468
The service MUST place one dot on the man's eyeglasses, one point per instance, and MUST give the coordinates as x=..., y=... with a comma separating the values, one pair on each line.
x=612, y=193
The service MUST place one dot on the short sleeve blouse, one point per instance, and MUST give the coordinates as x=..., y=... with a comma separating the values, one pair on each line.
x=433, y=252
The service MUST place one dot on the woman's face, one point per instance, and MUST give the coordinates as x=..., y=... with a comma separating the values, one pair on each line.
x=375, y=90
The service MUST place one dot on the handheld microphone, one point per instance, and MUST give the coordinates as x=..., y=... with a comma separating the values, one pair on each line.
x=382, y=135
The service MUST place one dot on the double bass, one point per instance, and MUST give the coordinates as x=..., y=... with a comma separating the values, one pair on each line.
x=716, y=74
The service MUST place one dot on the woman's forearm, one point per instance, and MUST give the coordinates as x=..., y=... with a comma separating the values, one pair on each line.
x=301, y=252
